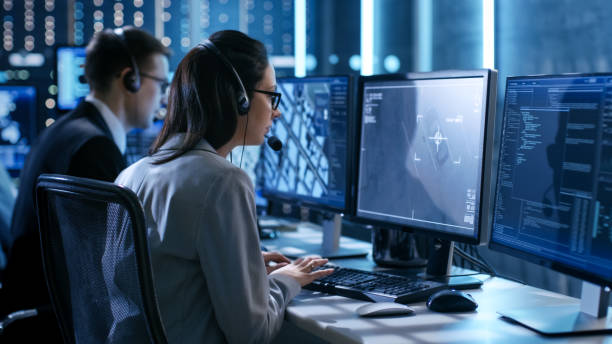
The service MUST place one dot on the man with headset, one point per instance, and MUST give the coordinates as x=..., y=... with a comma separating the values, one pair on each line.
x=127, y=71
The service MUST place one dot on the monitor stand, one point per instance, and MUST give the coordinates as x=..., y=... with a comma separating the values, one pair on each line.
x=397, y=248
x=327, y=245
x=590, y=317
x=439, y=266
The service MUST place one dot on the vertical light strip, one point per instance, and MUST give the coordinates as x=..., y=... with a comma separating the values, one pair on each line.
x=367, y=37
x=425, y=35
x=243, y=16
x=195, y=11
x=300, y=37
x=159, y=24
x=488, y=33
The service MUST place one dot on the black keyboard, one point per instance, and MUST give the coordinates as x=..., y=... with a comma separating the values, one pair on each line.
x=374, y=286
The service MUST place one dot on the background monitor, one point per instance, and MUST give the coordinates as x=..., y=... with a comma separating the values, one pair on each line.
x=425, y=152
x=17, y=125
x=554, y=190
x=249, y=159
x=312, y=167
x=71, y=85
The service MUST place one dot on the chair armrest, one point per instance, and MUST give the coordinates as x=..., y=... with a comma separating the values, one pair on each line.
x=23, y=314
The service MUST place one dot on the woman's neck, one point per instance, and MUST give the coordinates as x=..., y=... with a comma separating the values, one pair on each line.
x=228, y=147
x=224, y=150
x=235, y=141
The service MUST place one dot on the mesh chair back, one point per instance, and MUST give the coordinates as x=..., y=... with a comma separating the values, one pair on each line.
x=96, y=261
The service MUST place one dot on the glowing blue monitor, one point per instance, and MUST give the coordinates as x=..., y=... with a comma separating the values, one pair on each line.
x=17, y=125
x=554, y=190
x=71, y=88
x=314, y=128
x=553, y=205
x=425, y=152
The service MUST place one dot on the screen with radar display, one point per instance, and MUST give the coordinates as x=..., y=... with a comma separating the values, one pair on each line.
x=311, y=167
x=422, y=153
x=17, y=125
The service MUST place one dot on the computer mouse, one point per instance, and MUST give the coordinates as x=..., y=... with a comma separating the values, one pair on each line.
x=451, y=301
x=379, y=309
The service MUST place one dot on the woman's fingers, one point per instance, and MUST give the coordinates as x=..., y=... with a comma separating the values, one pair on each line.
x=276, y=257
x=322, y=273
x=270, y=268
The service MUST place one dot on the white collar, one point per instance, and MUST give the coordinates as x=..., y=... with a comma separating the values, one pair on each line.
x=113, y=123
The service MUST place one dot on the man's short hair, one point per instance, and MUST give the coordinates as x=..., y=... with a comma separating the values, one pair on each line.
x=106, y=55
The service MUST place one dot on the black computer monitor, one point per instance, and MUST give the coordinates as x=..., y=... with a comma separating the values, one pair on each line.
x=71, y=85
x=312, y=167
x=425, y=152
x=17, y=125
x=553, y=204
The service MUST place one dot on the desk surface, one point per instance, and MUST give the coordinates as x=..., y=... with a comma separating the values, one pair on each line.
x=333, y=318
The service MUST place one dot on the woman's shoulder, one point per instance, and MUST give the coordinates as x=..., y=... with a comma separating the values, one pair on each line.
x=201, y=167
x=129, y=172
x=228, y=173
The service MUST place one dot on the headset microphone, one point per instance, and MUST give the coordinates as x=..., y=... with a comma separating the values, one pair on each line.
x=274, y=142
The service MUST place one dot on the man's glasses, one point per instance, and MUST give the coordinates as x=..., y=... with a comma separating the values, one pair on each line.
x=163, y=83
x=275, y=97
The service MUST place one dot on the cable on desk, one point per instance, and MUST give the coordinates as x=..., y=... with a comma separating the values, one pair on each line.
x=484, y=266
x=481, y=258
x=462, y=275
x=511, y=279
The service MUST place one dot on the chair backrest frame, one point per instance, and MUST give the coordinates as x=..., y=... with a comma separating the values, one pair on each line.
x=95, y=190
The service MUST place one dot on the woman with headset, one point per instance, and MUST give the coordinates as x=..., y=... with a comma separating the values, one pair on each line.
x=211, y=280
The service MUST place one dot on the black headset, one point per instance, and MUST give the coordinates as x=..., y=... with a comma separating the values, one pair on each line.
x=242, y=100
x=131, y=80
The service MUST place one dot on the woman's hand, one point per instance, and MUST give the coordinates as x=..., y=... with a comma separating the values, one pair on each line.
x=302, y=270
x=274, y=257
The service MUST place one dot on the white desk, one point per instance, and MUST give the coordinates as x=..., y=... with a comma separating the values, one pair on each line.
x=333, y=319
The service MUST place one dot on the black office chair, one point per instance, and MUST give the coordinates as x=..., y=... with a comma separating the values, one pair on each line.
x=96, y=261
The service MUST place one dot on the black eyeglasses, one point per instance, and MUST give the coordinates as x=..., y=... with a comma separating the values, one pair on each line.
x=163, y=83
x=275, y=97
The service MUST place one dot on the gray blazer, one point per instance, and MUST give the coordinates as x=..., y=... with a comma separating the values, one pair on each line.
x=208, y=269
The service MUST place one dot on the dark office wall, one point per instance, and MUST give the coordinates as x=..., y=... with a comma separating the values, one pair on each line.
x=457, y=34
x=333, y=29
x=394, y=23
x=552, y=36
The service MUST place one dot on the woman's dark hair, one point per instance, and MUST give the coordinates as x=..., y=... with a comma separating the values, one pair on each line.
x=203, y=95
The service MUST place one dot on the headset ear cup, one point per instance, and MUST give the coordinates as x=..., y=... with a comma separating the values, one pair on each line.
x=243, y=105
x=131, y=81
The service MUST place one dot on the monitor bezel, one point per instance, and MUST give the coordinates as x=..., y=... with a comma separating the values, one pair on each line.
x=527, y=256
x=56, y=75
x=297, y=200
x=481, y=236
